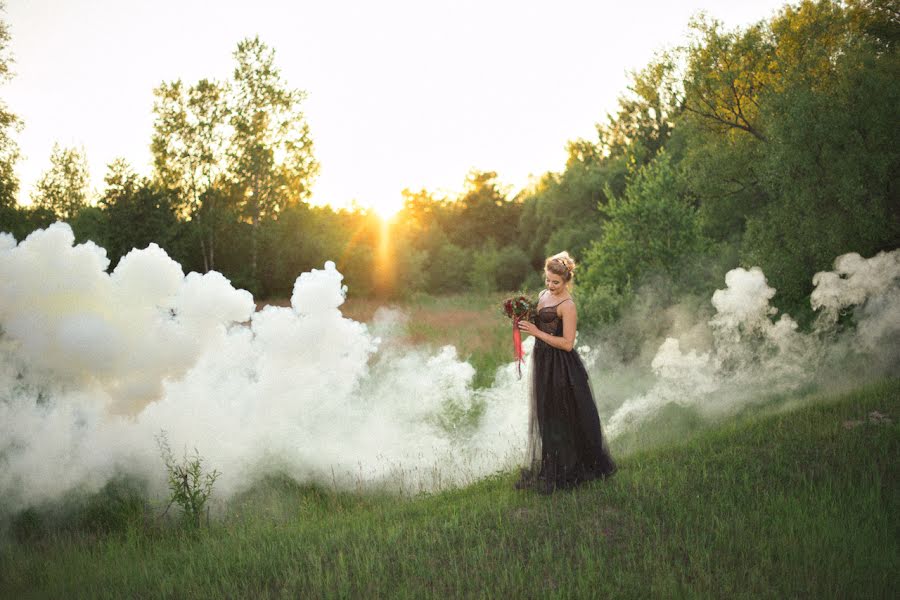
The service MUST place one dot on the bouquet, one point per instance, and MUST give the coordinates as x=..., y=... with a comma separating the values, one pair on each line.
x=518, y=308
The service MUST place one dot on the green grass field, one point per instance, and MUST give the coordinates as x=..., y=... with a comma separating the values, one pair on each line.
x=802, y=503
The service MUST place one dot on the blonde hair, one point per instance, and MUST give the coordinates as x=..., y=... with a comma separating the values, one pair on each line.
x=561, y=264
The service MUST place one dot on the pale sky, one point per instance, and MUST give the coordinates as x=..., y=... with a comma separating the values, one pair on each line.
x=402, y=94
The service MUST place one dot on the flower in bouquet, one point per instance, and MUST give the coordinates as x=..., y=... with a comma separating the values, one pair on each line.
x=518, y=308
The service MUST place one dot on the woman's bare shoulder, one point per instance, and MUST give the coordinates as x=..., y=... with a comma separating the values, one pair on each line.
x=567, y=306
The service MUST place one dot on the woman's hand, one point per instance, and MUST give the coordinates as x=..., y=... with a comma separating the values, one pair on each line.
x=528, y=327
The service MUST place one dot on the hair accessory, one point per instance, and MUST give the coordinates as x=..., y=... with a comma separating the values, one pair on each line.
x=565, y=264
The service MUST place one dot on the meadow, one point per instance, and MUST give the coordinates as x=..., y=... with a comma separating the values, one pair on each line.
x=792, y=498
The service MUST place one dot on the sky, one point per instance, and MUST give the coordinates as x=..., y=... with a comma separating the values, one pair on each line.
x=401, y=94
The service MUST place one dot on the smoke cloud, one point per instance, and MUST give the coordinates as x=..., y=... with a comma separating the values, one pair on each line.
x=93, y=365
x=750, y=356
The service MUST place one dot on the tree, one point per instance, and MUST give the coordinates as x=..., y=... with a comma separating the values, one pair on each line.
x=727, y=72
x=138, y=212
x=831, y=169
x=563, y=211
x=189, y=140
x=646, y=114
x=271, y=151
x=63, y=188
x=652, y=230
x=482, y=213
x=9, y=124
x=790, y=128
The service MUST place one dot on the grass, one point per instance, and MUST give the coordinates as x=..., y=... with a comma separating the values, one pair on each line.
x=802, y=503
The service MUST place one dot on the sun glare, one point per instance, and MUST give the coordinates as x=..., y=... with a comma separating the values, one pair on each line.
x=383, y=260
x=387, y=210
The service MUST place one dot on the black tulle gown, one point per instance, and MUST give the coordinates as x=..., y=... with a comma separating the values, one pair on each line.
x=566, y=445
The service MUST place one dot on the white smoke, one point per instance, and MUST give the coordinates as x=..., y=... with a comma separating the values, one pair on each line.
x=93, y=365
x=872, y=289
x=118, y=335
x=752, y=357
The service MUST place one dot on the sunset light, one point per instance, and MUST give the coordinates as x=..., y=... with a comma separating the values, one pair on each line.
x=395, y=98
x=494, y=298
x=387, y=210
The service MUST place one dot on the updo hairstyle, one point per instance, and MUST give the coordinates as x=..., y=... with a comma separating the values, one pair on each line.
x=561, y=264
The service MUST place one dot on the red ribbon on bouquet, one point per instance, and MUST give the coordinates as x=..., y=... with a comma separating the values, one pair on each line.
x=517, y=346
x=517, y=309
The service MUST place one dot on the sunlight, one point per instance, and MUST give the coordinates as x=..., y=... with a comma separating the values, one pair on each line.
x=387, y=209
x=384, y=271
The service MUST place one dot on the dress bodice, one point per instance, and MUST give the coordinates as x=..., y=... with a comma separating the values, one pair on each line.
x=548, y=321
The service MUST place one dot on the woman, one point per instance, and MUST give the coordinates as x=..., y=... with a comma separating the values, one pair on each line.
x=565, y=443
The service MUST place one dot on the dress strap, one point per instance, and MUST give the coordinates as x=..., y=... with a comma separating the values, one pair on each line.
x=555, y=305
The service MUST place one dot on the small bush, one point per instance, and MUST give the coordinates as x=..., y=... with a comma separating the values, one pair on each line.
x=189, y=486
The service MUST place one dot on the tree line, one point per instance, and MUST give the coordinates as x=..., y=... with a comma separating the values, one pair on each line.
x=771, y=145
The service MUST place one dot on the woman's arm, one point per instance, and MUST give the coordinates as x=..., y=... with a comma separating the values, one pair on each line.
x=570, y=322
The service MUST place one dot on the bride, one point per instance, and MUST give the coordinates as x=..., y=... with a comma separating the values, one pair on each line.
x=565, y=442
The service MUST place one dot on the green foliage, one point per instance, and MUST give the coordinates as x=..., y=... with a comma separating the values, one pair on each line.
x=63, y=188
x=482, y=214
x=89, y=224
x=271, y=150
x=121, y=505
x=236, y=150
x=458, y=421
x=21, y=221
x=498, y=268
x=467, y=241
x=652, y=230
x=646, y=115
x=789, y=138
x=137, y=213
x=190, y=486
x=10, y=124
x=28, y=526
x=600, y=303
x=189, y=137
x=448, y=266
x=231, y=255
x=831, y=171
x=189, y=143
x=289, y=245
x=563, y=212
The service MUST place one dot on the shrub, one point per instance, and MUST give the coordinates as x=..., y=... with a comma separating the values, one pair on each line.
x=189, y=486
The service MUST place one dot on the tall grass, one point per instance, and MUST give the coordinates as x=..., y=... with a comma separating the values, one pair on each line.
x=793, y=504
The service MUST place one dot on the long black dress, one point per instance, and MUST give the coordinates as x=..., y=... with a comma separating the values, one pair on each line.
x=566, y=445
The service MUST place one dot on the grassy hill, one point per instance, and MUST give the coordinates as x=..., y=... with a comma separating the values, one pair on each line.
x=794, y=504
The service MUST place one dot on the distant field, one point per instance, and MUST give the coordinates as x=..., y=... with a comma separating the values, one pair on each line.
x=802, y=504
